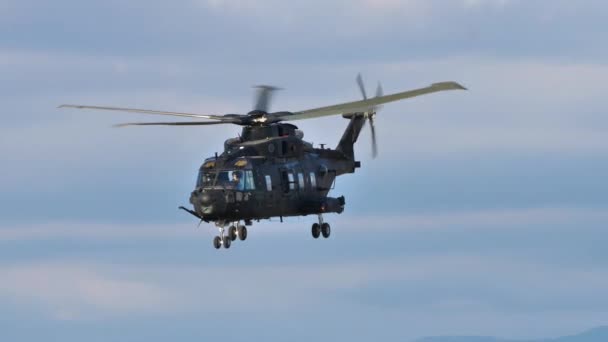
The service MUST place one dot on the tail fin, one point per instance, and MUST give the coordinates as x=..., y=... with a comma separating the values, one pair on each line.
x=347, y=142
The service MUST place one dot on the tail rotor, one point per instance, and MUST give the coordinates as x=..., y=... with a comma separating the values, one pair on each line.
x=371, y=112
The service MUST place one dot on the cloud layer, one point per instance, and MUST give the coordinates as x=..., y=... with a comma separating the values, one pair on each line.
x=480, y=272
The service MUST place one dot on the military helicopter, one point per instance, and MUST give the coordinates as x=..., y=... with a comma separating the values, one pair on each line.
x=269, y=170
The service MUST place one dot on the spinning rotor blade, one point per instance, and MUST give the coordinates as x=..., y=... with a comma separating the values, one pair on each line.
x=374, y=143
x=379, y=93
x=361, y=86
x=145, y=111
x=264, y=97
x=363, y=105
x=371, y=113
x=371, y=123
x=184, y=123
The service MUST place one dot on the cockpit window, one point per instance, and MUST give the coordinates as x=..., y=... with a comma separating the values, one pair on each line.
x=205, y=178
x=233, y=179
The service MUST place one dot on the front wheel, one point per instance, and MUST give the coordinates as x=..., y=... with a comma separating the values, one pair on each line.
x=217, y=242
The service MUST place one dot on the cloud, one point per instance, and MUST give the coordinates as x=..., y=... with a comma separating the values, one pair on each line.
x=479, y=3
x=270, y=32
x=97, y=232
x=71, y=291
x=496, y=291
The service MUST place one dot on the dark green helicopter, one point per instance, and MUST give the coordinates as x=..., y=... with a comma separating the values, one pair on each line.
x=269, y=170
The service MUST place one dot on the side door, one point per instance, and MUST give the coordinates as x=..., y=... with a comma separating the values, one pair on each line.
x=289, y=190
x=269, y=190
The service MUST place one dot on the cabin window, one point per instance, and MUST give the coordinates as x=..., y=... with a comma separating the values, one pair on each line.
x=313, y=180
x=268, y=183
x=292, y=182
x=249, y=183
x=301, y=180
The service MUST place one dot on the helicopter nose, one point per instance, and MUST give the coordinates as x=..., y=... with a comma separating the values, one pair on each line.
x=205, y=199
x=207, y=203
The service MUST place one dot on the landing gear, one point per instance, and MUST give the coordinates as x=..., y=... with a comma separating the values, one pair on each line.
x=222, y=239
x=218, y=242
x=321, y=228
x=225, y=238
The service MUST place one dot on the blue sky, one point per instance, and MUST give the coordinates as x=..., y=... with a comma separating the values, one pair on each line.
x=484, y=213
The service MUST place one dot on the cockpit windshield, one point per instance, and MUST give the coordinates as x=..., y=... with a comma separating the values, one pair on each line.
x=205, y=179
x=232, y=179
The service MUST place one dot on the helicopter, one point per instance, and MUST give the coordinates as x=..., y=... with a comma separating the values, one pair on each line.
x=269, y=170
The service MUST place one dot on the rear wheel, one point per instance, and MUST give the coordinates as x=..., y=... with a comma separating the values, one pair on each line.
x=316, y=230
x=326, y=230
x=232, y=233
x=227, y=242
x=242, y=232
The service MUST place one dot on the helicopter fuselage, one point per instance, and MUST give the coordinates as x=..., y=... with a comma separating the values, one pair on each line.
x=279, y=175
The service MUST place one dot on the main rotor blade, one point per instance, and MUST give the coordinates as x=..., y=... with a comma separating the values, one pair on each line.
x=379, y=91
x=364, y=105
x=264, y=97
x=185, y=123
x=145, y=111
x=361, y=86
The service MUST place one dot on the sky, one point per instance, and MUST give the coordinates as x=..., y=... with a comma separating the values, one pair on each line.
x=484, y=213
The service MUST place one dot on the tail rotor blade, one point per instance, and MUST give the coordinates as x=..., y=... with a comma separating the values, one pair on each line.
x=372, y=126
x=371, y=113
x=374, y=143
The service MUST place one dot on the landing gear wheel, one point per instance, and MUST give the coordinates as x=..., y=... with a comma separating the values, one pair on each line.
x=217, y=242
x=316, y=230
x=242, y=232
x=326, y=230
x=232, y=233
x=227, y=242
